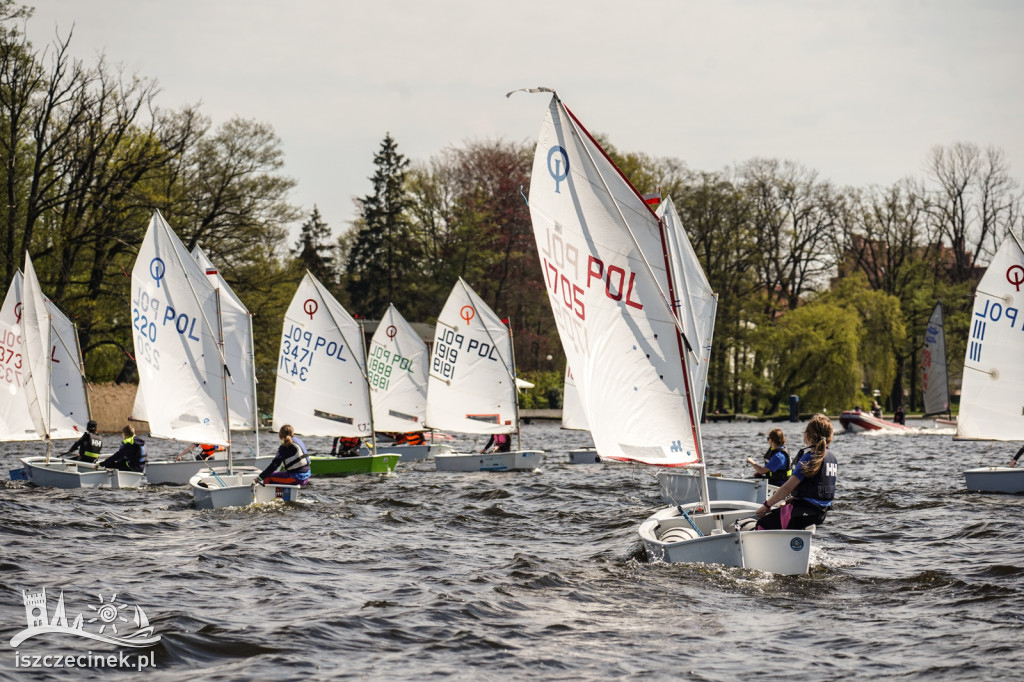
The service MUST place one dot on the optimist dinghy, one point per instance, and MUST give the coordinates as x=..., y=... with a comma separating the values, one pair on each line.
x=621, y=299
x=472, y=384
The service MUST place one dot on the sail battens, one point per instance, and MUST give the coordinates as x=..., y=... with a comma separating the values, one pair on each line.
x=397, y=364
x=993, y=378
x=321, y=368
x=471, y=366
x=607, y=284
x=178, y=350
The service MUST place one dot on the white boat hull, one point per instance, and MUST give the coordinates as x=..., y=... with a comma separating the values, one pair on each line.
x=216, y=489
x=171, y=472
x=683, y=487
x=413, y=453
x=60, y=473
x=584, y=456
x=517, y=460
x=667, y=536
x=995, y=479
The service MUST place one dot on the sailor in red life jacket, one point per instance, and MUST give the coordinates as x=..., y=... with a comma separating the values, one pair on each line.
x=293, y=461
x=346, y=447
x=499, y=442
x=813, y=483
x=411, y=438
x=206, y=451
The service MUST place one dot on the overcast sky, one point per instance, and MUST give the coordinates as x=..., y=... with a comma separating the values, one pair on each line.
x=857, y=90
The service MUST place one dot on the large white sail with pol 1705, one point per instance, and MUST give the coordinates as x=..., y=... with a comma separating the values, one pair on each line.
x=321, y=369
x=177, y=345
x=597, y=241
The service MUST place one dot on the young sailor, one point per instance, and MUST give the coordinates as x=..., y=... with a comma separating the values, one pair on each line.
x=813, y=483
x=776, y=460
x=88, y=446
x=291, y=458
x=499, y=442
x=131, y=456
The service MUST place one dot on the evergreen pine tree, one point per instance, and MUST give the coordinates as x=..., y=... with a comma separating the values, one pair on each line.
x=383, y=243
x=314, y=249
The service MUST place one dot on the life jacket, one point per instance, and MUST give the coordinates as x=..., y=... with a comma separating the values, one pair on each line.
x=782, y=474
x=821, y=486
x=347, y=443
x=502, y=442
x=135, y=451
x=92, y=448
x=411, y=438
x=206, y=451
x=297, y=460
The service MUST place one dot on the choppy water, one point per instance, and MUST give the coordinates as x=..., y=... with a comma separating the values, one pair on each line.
x=532, y=575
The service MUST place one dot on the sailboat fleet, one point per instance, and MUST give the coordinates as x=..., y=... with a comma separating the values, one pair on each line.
x=635, y=313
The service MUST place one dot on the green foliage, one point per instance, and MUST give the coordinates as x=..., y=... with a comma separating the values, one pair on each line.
x=813, y=352
x=383, y=249
x=547, y=391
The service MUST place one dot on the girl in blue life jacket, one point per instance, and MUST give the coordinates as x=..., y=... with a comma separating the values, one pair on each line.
x=812, y=485
x=776, y=461
x=293, y=460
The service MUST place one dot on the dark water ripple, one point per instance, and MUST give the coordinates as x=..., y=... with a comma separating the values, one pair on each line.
x=491, y=576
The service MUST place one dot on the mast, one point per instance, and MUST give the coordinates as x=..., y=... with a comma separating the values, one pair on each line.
x=369, y=391
x=223, y=375
x=255, y=407
x=49, y=377
x=515, y=390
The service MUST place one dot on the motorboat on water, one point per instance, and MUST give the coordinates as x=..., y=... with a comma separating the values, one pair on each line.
x=854, y=421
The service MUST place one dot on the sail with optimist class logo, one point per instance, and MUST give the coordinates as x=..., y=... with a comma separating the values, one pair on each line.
x=471, y=388
x=176, y=330
x=992, y=394
x=322, y=387
x=397, y=365
x=604, y=262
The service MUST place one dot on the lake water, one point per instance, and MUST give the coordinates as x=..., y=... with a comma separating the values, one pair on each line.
x=499, y=576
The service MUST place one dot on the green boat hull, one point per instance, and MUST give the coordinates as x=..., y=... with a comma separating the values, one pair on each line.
x=325, y=465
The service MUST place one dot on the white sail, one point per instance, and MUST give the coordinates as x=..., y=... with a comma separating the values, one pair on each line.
x=177, y=341
x=573, y=417
x=602, y=257
x=238, y=348
x=934, y=380
x=471, y=388
x=992, y=396
x=54, y=385
x=397, y=365
x=321, y=370
x=15, y=422
x=698, y=314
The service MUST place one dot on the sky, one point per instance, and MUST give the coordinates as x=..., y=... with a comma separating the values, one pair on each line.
x=857, y=90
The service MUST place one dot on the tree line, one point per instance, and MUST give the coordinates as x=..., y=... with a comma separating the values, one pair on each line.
x=824, y=291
